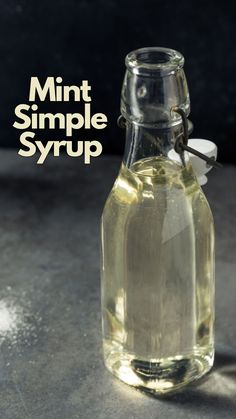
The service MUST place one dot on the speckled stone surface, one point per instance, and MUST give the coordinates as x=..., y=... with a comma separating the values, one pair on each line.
x=50, y=357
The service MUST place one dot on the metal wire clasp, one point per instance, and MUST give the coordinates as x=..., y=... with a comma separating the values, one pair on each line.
x=121, y=122
x=181, y=143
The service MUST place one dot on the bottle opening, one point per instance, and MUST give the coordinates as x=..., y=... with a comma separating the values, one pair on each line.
x=145, y=61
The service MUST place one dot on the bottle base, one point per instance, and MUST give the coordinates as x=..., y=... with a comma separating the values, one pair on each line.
x=161, y=376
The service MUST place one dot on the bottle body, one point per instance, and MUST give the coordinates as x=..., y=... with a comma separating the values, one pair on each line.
x=157, y=267
x=157, y=276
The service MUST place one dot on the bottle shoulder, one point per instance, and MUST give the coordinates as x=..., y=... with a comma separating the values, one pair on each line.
x=158, y=186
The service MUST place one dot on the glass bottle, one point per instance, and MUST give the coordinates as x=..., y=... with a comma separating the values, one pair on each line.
x=157, y=268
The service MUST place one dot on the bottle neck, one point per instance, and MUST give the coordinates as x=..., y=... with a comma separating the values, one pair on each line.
x=148, y=141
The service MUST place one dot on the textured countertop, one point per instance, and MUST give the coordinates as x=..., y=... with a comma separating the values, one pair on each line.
x=50, y=358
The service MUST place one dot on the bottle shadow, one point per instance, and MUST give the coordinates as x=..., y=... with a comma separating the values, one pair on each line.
x=217, y=389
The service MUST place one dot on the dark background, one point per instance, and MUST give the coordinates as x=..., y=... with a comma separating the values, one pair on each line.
x=81, y=39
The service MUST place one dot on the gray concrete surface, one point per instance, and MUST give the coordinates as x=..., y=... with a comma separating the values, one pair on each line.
x=50, y=356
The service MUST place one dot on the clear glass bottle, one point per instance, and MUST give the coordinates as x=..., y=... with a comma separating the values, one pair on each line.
x=157, y=268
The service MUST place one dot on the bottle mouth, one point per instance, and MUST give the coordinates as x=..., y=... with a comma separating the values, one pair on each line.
x=154, y=60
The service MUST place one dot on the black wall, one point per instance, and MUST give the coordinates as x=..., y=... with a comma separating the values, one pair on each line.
x=88, y=39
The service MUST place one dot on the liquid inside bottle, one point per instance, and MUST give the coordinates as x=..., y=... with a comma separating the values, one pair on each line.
x=158, y=235
x=157, y=267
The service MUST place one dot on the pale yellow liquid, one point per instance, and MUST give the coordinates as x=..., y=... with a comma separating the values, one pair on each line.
x=157, y=277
